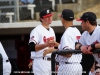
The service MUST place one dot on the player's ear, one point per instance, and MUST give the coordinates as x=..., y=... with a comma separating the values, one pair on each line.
x=40, y=19
x=87, y=22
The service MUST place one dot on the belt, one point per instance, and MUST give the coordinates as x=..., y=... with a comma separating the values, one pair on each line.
x=45, y=58
x=72, y=63
x=7, y=60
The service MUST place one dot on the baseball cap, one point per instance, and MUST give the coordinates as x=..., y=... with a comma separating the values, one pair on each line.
x=88, y=16
x=45, y=13
x=67, y=14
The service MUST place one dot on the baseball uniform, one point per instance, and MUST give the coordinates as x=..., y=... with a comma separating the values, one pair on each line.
x=88, y=39
x=40, y=35
x=6, y=63
x=69, y=65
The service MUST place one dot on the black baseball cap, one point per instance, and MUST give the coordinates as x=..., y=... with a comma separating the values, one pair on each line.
x=67, y=14
x=45, y=13
x=90, y=16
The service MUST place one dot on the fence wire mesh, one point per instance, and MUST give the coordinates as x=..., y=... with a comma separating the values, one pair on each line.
x=17, y=10
x=62, y=65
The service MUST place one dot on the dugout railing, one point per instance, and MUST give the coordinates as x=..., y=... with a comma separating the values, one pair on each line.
x=1, y=65
x=60, y=52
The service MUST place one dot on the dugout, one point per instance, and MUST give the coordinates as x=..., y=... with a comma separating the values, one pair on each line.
x=15, y=36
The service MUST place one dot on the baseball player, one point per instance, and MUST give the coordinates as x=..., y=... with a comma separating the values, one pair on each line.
x=42, y=38
x=90, y=39
x=69, y=64
x=6, y=62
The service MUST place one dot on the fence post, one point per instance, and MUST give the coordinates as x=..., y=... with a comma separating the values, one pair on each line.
x=1, y=65
x=53, y=63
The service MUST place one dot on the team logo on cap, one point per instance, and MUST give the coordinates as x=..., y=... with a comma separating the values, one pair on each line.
x=48, y=11
x=71, y=17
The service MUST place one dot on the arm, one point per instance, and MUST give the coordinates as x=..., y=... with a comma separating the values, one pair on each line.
x=49, y=50
x=37, y=47
x=78, y=46
x=49, y=43
x=93, y=47
x=84, y=49
x=40, y=46
x=97, y=45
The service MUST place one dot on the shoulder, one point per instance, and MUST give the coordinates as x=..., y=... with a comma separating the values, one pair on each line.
x=98, y=27
x=37, y=28
x=51, y=28
x=72, y=30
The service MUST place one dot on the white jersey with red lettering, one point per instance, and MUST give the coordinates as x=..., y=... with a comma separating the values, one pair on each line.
x=40, y=35
x=69, y=65
x=88, y=39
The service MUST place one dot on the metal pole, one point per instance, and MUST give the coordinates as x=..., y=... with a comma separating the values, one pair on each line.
x=60, y=1
x=18, y=18
x=17, y=10
x=80, y=3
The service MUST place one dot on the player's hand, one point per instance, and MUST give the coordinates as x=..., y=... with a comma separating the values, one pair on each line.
x=45, y=52
x=84, y=49
x=50, y=43
x=56, y=44
x=89, y=50
x=30, y=64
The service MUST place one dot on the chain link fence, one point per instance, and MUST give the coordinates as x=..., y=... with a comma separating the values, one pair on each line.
x=61, y=65
x=17, y=10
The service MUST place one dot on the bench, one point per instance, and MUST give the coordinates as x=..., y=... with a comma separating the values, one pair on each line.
x=53, y=4
x=7, y=1
x=29, y=7
x=8, y=15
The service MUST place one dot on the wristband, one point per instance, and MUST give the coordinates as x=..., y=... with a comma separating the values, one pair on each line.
x=80, y=47
x=93, y=47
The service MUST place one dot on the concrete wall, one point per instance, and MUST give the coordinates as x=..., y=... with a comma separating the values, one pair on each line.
x=79, y=6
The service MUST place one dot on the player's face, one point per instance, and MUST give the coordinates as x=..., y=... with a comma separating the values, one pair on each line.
x=47, y=20
x=84, y=25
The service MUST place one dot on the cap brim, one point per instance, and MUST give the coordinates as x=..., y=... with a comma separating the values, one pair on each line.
x=48, y=15
x=79, y=20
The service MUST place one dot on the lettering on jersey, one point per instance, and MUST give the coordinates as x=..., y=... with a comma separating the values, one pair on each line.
x=44, y=39
x=78, y=37
x=48, y=39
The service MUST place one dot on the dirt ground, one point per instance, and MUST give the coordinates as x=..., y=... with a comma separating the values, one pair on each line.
x=95, y=9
